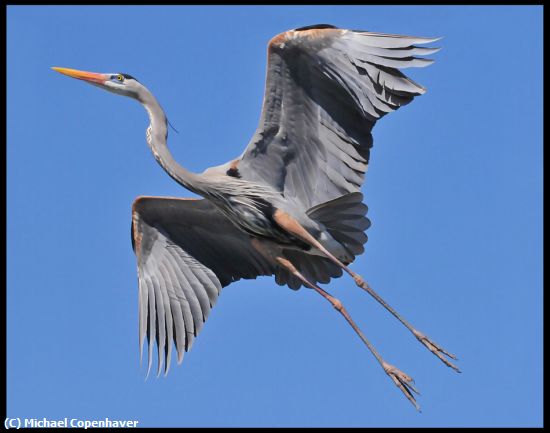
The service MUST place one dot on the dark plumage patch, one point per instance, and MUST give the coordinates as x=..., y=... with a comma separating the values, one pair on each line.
x=233, y=172
x=129, y=76
x=266, y=207
x=316, y=26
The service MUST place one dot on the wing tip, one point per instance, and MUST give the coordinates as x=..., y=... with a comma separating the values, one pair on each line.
x=429, y=40
x=417, y=39
x=167, y=369
x=148, y=370
x=421, y=62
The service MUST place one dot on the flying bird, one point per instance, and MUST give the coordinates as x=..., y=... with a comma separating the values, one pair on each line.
x=290, y=205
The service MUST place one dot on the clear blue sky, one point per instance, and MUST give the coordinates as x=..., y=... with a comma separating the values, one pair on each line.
x=454, y=192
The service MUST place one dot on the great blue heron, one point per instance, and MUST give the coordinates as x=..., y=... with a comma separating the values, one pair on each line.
x=290, y=205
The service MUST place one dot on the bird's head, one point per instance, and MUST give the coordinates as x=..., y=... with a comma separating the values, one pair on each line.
x=121, y=84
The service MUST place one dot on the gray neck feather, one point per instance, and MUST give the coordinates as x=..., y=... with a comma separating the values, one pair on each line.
x=218, y=188
x=157, y=134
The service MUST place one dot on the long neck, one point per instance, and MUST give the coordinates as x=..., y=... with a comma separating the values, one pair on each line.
x=157, y=134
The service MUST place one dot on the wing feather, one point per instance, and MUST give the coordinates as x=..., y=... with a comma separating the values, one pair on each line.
x=186, y=252
x=173, y=316
x=325, y=89
x=193, y=312
x=185, y=306
x=152, y=322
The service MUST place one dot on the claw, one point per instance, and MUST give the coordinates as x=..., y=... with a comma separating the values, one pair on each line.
x=437, y=350
x=403, y=381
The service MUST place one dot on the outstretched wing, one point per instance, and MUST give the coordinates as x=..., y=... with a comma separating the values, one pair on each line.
x=325, y=89
x=186, y=252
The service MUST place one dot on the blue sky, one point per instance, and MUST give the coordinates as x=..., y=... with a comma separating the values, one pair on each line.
x=454, y=192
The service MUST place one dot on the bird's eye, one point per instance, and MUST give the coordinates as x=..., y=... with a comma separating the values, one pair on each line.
x=120, y=78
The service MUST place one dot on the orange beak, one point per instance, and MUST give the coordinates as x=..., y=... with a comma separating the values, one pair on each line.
x=82, y=75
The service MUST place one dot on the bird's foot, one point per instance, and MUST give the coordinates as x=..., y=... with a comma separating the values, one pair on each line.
x=403, y=381
x=437, y=350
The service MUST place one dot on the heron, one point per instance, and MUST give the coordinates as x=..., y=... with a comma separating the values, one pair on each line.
x=290, y=206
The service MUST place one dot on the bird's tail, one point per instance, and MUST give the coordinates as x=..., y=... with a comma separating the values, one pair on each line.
x=345, y=220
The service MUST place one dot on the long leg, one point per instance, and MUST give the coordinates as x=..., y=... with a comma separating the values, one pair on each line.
x=294, y=227
x=402, y=380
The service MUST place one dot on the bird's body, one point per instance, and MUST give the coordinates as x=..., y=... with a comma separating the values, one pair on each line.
x=290, y=205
